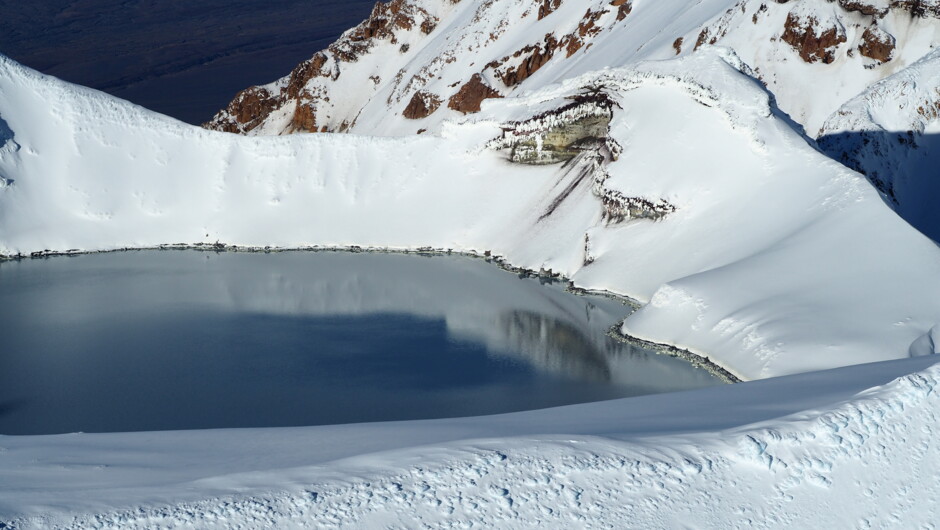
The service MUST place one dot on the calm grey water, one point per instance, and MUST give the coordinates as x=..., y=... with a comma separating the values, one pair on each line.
x=157, y=340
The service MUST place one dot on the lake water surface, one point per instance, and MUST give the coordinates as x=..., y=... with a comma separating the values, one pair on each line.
x=158, y=340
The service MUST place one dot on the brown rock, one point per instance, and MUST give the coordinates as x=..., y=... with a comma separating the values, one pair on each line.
x=864, y=7
x=422, y=105
x=877, y=45
x=677, y=45
x=624, y=8
x=303, y=73
x=809, y=42
x=246, y=111
x=918, y=8
x=548, y=7
x=467, y=100
x=304, y=118
x=381, y=24
x=536, y=57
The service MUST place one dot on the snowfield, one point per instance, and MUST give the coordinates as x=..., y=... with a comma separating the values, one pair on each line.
x=774, y=261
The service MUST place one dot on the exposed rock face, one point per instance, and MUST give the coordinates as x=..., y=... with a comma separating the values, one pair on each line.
x=519, y=66
x=677, y=45
x=422, y=105
x=560, y=134
x=812, y=42
x=252, y=106
x=577, y=134
x=382, y=25
x=304, y=118
x=624, y=8
x=561, y=142
x=532, y=57
x=618, y=207
x=919, y=8
x=871, y=8
x=247, y=110
x=877, y=44
x=548, y=7
x=467, y=100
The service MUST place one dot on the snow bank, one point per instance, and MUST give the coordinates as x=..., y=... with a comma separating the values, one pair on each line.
x=720, y=457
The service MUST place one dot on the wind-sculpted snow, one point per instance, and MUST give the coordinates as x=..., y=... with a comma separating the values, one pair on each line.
x=614, y=468
x=767, y=237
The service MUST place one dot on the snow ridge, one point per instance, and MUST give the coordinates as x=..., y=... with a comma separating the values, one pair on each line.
x=801, y=470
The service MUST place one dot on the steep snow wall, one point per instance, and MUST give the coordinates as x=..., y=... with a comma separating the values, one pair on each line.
x=776, y=260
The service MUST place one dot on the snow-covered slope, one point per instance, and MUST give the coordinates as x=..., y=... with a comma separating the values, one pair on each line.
x=889, y=132
x=764, y=255
x=414, y=63
x=417, y=63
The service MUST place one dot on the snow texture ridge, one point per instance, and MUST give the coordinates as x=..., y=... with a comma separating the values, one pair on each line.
x=801, y=470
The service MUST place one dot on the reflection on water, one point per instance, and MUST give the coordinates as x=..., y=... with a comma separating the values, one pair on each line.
x=556, y=346
x=157, y=340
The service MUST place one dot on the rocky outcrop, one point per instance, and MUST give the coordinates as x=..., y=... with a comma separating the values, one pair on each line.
x=872, y=8
x=619, y=207
x=812, y=41
x=422, y=105
x=877, y=44
x=519, y=66
x=562, y=141
x=516, y=68
x=548, y=7
x=382, y=24
x=562, y=133
x=577, y=135
x=304, y=118
x=624, y=8
x=249, y=108
x=252, y=106
x=467, y=100
x=919, y=8
x=393, y=63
